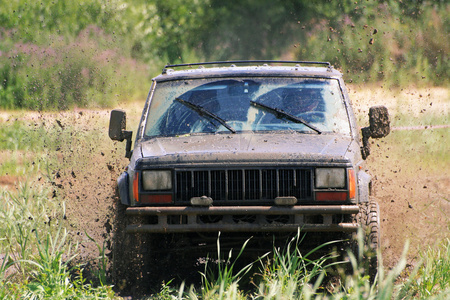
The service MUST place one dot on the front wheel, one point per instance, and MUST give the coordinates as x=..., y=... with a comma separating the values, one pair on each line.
x=131, y=254
x=368, y=248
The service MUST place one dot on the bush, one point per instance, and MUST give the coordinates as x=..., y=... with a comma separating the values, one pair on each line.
x=384, y=47
x=83, y=73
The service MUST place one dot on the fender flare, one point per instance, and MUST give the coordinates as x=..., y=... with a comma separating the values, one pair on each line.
x=364, y=186
x=124, y=189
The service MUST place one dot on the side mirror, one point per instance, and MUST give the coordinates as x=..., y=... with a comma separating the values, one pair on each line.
x=117, y=125
x=379, y=122
x=117, y=129
x=379, y=127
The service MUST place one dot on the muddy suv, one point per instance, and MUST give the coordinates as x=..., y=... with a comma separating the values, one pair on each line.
x=249, y=146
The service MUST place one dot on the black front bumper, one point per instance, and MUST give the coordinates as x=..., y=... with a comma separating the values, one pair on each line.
x=182, y=219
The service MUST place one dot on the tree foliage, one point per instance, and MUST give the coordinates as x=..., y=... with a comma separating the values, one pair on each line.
x=47, y=48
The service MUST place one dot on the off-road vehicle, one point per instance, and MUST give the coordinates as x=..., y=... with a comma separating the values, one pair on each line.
x=249, y=146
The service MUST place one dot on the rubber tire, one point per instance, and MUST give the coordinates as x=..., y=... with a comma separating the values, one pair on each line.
x=369, y=220
x=130, y=255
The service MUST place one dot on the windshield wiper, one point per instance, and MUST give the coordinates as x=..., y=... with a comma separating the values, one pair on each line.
x=279, y=113
x=206, y=112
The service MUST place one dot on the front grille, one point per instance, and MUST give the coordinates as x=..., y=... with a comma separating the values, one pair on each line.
x=243, y=184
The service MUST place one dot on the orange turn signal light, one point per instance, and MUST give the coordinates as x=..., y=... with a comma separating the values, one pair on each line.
x=136, y=187
x=351, y=184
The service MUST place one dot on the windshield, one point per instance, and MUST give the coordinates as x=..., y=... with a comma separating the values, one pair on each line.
x=204, y=106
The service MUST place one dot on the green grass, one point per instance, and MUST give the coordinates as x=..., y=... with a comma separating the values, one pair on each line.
x=287, y=276
x=290, y=272
x=19, y=135
x=52, y=142
x=39, y=257
x=223, y=277
x=25, y=146
x=37, y=254
x=432, y=278
x=401, y=120
x=426, y=149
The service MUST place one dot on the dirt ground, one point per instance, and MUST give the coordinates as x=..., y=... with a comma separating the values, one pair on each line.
x=413, y=193
x=414, y=207
x=413, y=197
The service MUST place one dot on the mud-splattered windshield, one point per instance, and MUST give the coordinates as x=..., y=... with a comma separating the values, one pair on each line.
x=202, y=106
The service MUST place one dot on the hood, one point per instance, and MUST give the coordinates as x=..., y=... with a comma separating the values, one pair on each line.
x=229, y=148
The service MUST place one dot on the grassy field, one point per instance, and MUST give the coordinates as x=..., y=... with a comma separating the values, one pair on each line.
x=56, y=175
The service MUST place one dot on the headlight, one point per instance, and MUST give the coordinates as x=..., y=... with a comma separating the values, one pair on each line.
x=330, y=178
x=156, y=180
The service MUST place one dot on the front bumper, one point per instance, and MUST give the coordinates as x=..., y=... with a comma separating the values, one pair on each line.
x=183, y=219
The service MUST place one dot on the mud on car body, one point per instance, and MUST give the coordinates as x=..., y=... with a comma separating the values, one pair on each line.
x=249, y=146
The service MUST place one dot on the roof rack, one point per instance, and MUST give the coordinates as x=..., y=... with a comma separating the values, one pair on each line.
x=249, y=62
